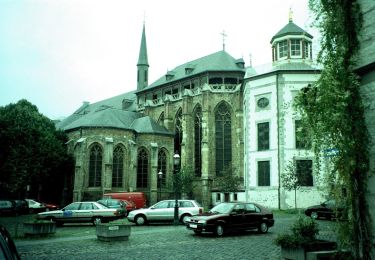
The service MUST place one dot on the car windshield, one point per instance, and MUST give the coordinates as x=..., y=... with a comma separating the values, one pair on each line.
x=224, y=208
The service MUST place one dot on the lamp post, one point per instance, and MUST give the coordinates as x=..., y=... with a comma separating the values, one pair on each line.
x=176, y=164
x=160, y=176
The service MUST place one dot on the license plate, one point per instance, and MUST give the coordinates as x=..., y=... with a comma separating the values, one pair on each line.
x=193, y=226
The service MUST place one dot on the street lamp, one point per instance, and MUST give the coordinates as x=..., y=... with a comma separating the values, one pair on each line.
x=176, y=164
x=160, y=176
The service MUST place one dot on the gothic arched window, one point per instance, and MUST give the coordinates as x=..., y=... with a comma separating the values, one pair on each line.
x=142, y=169
x=95, y=166
x=161, y=119
x=178, y=132
x=223, y=138
x=118, y=166
x=198, y=141
x=162, y=166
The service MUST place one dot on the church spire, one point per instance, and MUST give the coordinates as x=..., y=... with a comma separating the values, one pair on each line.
x=142, y=65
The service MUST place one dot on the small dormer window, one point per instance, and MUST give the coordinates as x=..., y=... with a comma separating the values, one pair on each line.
x=189, y=68
x=188, y=71
x=295, y=47
x=283, y=49
x=169, y=75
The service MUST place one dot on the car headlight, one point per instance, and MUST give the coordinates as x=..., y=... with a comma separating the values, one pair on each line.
x=202, y=221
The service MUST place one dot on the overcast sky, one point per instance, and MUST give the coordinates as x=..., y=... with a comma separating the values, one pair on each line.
x=59, y=53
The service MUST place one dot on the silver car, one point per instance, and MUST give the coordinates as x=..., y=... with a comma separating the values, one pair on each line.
x=78, y=212
x=164, y=211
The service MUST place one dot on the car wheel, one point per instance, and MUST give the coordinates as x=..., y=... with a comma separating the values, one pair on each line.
x=140, y=220
x=185, y=218
x=314, y=215
x=263, y=228
x=96, y=220
x=219, y=230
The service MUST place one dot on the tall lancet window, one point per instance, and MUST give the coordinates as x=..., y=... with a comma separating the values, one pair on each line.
x=223, y=138
x=95, y=166
x=162, y=166
x=178, y=132
x=142, y=169
x=118, y=166
x=198, y=140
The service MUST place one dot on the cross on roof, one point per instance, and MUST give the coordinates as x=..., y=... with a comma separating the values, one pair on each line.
x=224, y=35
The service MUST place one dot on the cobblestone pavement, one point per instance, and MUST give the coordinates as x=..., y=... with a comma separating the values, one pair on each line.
x=161, y=242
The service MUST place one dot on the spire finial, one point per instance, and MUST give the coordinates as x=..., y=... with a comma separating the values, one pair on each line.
x=290, y=15
x=224, y=35
x=144, y=17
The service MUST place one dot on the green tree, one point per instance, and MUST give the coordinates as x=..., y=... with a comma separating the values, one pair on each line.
x=228, y=181
x=333, y=110
x=290, y=181
x=32, y=151
x=184, y=181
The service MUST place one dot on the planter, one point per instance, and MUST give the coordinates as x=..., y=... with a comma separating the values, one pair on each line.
x=39, y=228
x=113, y=232
x=299, y=253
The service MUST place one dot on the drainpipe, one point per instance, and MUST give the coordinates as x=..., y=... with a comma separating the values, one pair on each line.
x=278, y=141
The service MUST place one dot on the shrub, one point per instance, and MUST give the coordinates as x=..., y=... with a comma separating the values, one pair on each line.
x=304, y=231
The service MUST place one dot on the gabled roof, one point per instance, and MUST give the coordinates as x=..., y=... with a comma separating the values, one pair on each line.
x=106, y=117
x=116, y=112
x=146, y=125
x=218, y=61
x=291, y=29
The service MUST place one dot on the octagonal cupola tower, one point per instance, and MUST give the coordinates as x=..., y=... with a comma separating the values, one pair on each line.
x=291, y=44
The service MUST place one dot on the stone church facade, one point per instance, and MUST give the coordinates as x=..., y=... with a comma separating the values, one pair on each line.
x=195, y=110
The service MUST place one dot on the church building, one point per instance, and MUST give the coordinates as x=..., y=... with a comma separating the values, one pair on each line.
x=194, y=110
x=214, y=113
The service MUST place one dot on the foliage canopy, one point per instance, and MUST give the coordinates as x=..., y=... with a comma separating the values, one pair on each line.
x=32, y=150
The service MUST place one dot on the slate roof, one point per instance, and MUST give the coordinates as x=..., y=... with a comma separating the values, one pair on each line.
x=147, y=125
x=109, y=113
x=270, y=68
x=291, y=29
x=218, y=61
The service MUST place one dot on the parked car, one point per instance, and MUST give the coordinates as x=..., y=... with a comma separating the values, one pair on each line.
x=21, y=206
x=114, y=204
x=230, y=216
x=164, y=211
x=7, y=207
x=129, y=205
x=328, y=209
x=80, y=212
x=138, y=198
x=35, y=206
x=50, y=206
x=8, y=249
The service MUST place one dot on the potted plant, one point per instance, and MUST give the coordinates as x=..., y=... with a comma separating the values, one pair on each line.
x=302, y=239
x=113, y=231
x=39, y=227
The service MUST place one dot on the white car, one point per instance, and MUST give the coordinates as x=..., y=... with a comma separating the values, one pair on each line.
x=78, y=212
x=35, y=206
x=164, y=211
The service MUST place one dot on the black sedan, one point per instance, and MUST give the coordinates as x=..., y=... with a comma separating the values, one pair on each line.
x=230, y=216
x=327, y=209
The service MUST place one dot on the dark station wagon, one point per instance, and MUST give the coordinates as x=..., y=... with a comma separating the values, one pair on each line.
x=230, y=216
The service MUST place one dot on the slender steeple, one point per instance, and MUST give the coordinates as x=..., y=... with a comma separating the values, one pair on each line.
x=142, y=65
